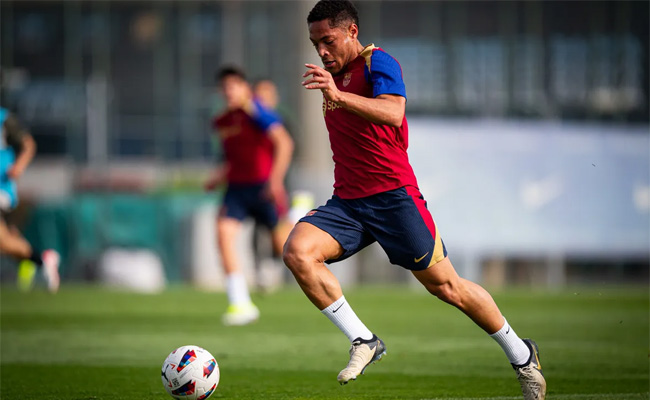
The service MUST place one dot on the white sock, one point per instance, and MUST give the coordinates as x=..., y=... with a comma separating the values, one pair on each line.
x=342, y=315
x=237, y=289
x=515, y=348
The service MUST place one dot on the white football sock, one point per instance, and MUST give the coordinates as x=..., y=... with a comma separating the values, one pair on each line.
x=342, y=315
x=515, y=348
x=237, y=289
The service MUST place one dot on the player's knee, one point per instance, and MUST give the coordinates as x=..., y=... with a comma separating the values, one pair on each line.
x=293, y=254
x=296, y=254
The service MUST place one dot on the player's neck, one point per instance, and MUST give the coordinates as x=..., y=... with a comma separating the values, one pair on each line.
x=360, y=47
x=240, y=104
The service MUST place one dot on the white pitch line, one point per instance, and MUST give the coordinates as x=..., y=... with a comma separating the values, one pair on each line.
x=625, y=396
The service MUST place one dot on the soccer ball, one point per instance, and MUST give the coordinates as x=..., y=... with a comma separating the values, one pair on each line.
x=190, y=373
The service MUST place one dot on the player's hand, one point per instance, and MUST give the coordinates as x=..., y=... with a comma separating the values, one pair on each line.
x=212, y=183
x=217, y=178
x=276, y=191
x=15, y=172
x=323, y=80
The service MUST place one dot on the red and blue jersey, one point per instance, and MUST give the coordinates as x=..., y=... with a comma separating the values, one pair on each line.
x=247, y=149
x=368, y=158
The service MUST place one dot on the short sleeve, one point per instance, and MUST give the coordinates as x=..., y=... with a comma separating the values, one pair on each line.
x=386, y=75
x=264, y=117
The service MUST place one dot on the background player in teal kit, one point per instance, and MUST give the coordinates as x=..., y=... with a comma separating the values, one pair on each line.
x=376, y=198
x=257, y=152
x=17, y=148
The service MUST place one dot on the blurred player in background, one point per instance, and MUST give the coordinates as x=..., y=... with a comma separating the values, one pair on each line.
x=257, y=151
x=376, y=198
x=270, y=269
x=17, y=148
x=268, y=266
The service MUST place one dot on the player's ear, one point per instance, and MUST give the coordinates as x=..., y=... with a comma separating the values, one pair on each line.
x=353, y=31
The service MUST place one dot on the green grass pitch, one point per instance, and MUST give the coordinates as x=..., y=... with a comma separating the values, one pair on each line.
x=89, y=343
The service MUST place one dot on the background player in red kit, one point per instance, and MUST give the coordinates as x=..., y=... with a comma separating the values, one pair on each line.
x=376, y=198
x=256, y=153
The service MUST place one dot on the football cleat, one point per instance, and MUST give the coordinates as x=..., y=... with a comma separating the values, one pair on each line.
x=362, y=354
x=26, y=273
x=240, y=314
x=530, y=376
x=51, y=261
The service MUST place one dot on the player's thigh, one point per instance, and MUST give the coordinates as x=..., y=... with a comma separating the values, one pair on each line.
x=403, y=226
x=4, y=230
x=7, y=237
x=306, y=242
x=437, y=275
x=234, y=204
x=338, y=220
x=227, y=230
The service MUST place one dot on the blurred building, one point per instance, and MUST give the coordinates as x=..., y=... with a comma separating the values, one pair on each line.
x=118, y=95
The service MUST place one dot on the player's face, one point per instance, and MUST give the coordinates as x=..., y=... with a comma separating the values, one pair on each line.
x=266, y=92
x=336, y=46
x=235, y=90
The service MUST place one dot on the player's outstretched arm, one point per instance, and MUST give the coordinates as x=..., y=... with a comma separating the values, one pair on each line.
x=385, y=109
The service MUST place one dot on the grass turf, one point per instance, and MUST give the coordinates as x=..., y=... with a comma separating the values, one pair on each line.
x=90, y=343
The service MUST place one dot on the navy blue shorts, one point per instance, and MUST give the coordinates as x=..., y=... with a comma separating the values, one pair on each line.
x=249, y=200
x=397, y=219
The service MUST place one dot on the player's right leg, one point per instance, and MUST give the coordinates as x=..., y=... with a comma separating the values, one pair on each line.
x=241, y=310
x=422, y=250
x=305, y=253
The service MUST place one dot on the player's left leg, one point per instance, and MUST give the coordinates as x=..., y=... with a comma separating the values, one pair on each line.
x=15, y=245
x=441, y=280
x=12, y=243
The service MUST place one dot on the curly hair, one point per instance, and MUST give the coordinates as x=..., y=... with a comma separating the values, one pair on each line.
x=336, y=11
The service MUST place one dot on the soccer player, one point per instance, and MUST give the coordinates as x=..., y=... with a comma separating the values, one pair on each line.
x=376, y=198
x=17, y=148
x=257, y=152
x=268, y=265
